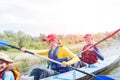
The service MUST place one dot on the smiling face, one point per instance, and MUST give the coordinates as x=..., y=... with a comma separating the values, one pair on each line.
x=88, y=40
x=51, y=43
x=51, y=40
x=3, y=65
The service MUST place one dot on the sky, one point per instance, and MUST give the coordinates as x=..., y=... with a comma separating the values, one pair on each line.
x=59, y=16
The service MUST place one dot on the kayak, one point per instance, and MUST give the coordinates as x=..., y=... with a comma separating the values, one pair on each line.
x=97, y=68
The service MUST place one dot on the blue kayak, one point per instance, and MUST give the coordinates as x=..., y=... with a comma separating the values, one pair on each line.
x=97, y=68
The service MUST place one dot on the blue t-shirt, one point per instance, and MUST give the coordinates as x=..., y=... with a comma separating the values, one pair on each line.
x=8, y=76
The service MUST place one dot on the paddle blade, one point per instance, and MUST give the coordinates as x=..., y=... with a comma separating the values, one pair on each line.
x=101, y=77
x=3, y=43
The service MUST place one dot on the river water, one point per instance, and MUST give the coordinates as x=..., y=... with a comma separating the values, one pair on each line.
x=114, y=49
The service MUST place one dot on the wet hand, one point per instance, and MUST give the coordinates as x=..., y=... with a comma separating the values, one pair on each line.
x=23, y=49
x=90, y=48
x=65, y=64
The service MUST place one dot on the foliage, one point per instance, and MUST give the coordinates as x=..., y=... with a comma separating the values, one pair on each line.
x=21, y=39
x=23, y=67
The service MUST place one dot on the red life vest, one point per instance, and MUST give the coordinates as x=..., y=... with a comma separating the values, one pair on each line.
x=89, y=56
x=15, y=71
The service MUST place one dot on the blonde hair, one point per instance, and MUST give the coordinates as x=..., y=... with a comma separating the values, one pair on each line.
x=59, y=42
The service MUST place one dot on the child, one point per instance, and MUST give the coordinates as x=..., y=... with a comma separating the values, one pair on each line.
x=6, y=71
x=58, y=53
x=91, y=55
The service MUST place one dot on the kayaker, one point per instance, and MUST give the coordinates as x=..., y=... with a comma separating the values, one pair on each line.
x=91, y=55
x=57, y=52
x=88, y=56
x=8, y=72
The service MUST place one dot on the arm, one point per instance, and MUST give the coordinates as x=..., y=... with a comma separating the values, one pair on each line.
x=96, y=50
x=42, y=52
x=67, y=53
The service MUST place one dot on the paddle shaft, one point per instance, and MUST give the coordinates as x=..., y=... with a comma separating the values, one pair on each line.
x=106, y=37
x=100, y=41
x=26, y=51
x=20, y=49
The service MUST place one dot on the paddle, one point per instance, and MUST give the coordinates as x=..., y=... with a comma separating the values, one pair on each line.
x=97, y=77
x=110, y=35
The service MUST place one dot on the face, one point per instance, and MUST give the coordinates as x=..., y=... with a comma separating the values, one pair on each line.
x=51, y=43
x=88, y=40
x=3, y=65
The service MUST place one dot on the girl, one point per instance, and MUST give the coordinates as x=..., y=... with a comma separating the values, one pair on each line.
x=56, y=52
